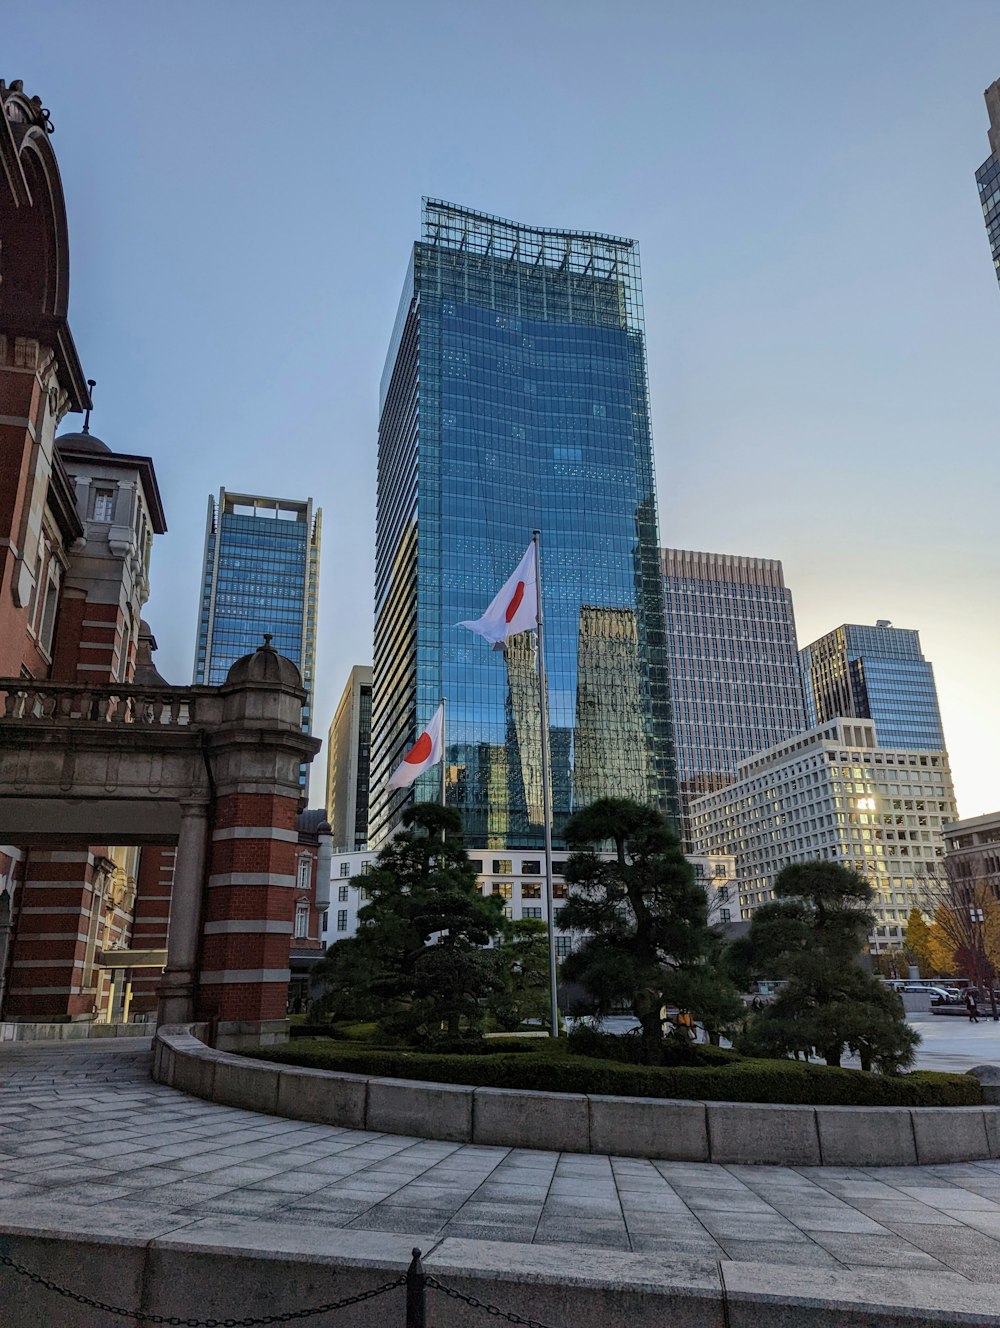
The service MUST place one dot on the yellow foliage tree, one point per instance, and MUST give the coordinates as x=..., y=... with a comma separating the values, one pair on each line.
x=919, y=943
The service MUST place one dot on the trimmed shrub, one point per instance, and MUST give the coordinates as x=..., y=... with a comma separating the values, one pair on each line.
x=554, y=1070
x=630, y=1049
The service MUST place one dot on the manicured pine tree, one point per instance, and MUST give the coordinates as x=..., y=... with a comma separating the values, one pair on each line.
x=648, y=944
x=812, y=935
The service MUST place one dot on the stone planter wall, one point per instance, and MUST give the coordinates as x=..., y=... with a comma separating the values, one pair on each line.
x=733, y=1132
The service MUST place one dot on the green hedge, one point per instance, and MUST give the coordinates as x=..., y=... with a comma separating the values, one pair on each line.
x=553, y=1070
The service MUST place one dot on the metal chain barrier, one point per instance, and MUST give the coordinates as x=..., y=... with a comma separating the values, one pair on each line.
x=508, y=1316
x=141, y=1316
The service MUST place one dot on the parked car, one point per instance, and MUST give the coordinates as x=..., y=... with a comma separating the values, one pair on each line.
x=933, y=990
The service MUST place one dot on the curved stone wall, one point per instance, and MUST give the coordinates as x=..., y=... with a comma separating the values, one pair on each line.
x=737, y=1132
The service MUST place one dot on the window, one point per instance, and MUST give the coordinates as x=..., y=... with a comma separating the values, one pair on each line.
x=325, y=922
x=725, y=915
x=502, y=867
x=302, y=918
x=560, y=890
x=564, y=944
x=723, y=893
x=341, y=919
x=366, y=868
x=559, y=868
x=345, y=869
x=503, y=889
x=342, y=894
x=305, y=871
x=531, y=890
x=530, y=868
x=104, y=504
x=48, y=617
x=477, y=865
x=532, y=912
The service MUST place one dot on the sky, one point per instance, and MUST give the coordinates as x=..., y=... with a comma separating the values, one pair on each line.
x=243, y=181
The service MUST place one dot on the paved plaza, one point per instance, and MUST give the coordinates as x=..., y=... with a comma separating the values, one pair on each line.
x=82, y=1127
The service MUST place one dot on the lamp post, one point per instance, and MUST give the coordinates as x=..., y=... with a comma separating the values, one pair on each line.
x=978, y=919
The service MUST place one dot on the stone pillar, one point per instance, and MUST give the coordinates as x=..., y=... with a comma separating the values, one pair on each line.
x=255, y=754
x=177, y=990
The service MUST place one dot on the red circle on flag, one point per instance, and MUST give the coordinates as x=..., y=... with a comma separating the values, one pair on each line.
x=420, y=750
x=515, y=602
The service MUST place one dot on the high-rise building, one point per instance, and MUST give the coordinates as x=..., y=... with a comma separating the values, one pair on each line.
x=874, y=673
x=734, y=668
x=524, y=348
x=988, y=175
x=840, y=794
x=348, y=759
x=261, y=577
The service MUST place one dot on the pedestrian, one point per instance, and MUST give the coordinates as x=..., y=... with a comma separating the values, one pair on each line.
x=972, y=1006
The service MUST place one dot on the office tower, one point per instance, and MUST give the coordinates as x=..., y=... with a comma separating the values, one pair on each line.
x=261, y=577
x=874, y=673
x=734, y=669
x=988, y=175
x=348, y=758
x=842, y=794
x=524, y=348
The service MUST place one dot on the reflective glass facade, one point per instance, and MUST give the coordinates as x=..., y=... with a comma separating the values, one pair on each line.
x=734, y=668
x=875, y=673
x=515, y=397
x=988, y=176
x=261, y=574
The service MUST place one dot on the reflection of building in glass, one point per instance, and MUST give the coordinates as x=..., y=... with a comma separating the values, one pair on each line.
x=261, y=575
x=839, y=794
x=734, y=672
x=348, y=752
x=874, y=673
x=524, y=349
x=610, y=752
x=988, y=176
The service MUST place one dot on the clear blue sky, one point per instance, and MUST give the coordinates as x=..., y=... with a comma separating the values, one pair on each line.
x=823, y=322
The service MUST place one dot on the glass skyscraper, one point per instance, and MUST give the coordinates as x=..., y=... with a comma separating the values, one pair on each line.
x=874, y=673
x=988, y=176
x=514, y=396
x=261, y=575
x=734, y=668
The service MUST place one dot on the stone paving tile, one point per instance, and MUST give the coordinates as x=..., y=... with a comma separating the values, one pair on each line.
x=87, y=1127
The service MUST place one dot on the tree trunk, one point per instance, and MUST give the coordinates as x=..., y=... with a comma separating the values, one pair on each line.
x=832, y=1055
x=652, y=1037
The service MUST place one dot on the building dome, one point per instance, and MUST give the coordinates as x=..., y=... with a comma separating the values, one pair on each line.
x=264, y=665
x=82, y=442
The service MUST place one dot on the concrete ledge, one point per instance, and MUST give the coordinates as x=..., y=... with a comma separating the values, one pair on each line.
x=649, y=1127
x=72, y=1031
x=400, y=1106
x=755, y=1133
x=235, y=1271
x=750, y=1133
x=949, y=1134
x=866, y=1136
x=559, y=1121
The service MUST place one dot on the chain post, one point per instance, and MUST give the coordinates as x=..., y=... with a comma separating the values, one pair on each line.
x=416, y=1298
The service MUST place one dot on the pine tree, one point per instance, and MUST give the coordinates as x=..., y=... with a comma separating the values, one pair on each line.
x=648, y=943
x=420, y=956
x=812, y=936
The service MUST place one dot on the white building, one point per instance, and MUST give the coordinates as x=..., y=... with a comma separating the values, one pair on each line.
x=517, y=877
x=832, y=793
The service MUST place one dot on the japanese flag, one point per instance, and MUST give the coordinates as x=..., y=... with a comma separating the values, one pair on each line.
x=424, y=753
x=515, y=608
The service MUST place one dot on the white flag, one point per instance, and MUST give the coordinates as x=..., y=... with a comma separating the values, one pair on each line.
x=424, y=753
x=515, y=608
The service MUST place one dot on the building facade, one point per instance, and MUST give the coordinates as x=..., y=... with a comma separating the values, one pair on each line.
x=517, y=878
x=733, y=661
x=973, y=852
x=524, y=349
x=260, y=577
x=348, y=762
x=876, y=673
x=838, y=794
x=988, y=176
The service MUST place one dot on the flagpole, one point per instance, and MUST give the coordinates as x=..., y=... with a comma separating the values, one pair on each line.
x=543, y=715
x=443, y=754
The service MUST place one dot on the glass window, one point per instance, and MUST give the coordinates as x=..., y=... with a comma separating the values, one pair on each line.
x=502, y=866
x=531, y=868
x=531, y=890
x=104, y=504
x=301, y=919
x=532, y=912
x=341, y=919
x=345, y=869
x=343, y=892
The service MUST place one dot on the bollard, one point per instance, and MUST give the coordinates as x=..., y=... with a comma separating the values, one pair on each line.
x=416, y=1303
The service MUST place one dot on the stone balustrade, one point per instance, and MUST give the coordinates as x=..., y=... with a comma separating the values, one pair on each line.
x=747, y=1133
x=26, y=700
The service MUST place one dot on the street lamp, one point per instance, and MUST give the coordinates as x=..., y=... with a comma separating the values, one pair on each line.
x=978, y=918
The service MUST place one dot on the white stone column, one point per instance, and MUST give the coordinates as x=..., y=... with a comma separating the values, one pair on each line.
x=176, y=993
